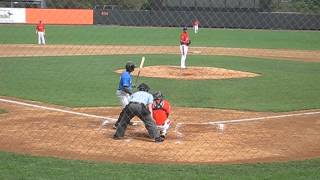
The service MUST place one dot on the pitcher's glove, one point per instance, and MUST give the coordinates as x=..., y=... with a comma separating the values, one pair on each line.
x=189, y=42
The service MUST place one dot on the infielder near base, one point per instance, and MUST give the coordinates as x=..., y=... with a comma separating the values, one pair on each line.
x=196, y=26
x=184, y=45
x=40, y=31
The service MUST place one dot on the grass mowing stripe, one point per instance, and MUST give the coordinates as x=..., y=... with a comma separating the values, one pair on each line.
x=91, y=81
x=15, y=166
x=17, y=34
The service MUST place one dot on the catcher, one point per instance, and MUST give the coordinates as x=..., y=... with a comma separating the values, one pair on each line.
x=140, y=105
x=161, y=110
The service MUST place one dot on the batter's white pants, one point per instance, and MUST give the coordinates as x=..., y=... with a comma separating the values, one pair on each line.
x=164, y=128
x=124, y=100
x=41, y=39
x=196, y=28
x=184, y=52
x=123, y=97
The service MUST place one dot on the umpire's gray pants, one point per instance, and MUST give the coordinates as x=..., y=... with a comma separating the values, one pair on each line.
x=140, y=110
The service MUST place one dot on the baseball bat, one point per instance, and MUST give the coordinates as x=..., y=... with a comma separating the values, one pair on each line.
x=141, y=66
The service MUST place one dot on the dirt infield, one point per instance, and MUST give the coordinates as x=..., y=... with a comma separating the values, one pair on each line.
x=190, y=73
x=193, y=139
x=24, y=50
x=48, y=130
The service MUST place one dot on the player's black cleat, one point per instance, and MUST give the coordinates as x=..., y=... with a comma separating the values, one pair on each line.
x=115, y=137
x=159, y=140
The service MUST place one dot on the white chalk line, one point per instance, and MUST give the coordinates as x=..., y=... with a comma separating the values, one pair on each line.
x=179, y=134
x=233, y=121
x=112, y=119
x=56, y=109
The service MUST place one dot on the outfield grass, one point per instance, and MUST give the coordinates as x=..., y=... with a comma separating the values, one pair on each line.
x=91, y=81
x=14, y=166
x=25, y=34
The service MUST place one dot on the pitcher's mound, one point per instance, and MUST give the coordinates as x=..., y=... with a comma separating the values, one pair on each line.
x=191, y=72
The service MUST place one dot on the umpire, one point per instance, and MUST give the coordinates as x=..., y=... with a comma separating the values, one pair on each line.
x=140, y=105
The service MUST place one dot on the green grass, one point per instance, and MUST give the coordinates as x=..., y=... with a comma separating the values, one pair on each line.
x=25, y=34
x=91, y=81
x=14, y=166
x=2, y=111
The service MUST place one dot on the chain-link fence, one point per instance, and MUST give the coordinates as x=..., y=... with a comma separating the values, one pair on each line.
x=240, y=77
x=276, y=14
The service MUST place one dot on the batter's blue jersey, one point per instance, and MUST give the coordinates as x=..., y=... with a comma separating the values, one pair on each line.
x=125, y=80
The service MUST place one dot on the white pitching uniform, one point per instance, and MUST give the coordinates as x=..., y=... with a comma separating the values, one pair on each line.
x=184, y=46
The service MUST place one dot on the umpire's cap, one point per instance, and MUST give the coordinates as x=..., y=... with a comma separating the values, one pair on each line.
x=143, y=87
x=130, y=66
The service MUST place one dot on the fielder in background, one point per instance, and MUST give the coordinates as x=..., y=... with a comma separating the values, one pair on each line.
x=161, y=110
x=184, y=45
x=140, y=105
x=125, y=88
x=41, y=32
x=196, y=26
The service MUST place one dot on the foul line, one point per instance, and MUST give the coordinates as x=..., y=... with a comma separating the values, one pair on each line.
x=58, y=110
x=253, y=119
x=207, y=123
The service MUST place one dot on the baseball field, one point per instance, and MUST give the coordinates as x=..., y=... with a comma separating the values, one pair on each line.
x=261, y=85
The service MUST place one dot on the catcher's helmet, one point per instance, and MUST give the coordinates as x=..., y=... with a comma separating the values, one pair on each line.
x=130, y=66
x=143, y=87
x=158, y=95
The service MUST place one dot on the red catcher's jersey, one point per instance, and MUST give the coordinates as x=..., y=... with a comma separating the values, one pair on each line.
x=40, y=27
x=160, y=115
x=184, y=38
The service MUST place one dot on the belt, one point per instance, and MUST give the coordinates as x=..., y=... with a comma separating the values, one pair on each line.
x=136, y=103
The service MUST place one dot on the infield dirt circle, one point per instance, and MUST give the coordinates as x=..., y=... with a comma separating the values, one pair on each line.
x=49, y=130
x=190, y=73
